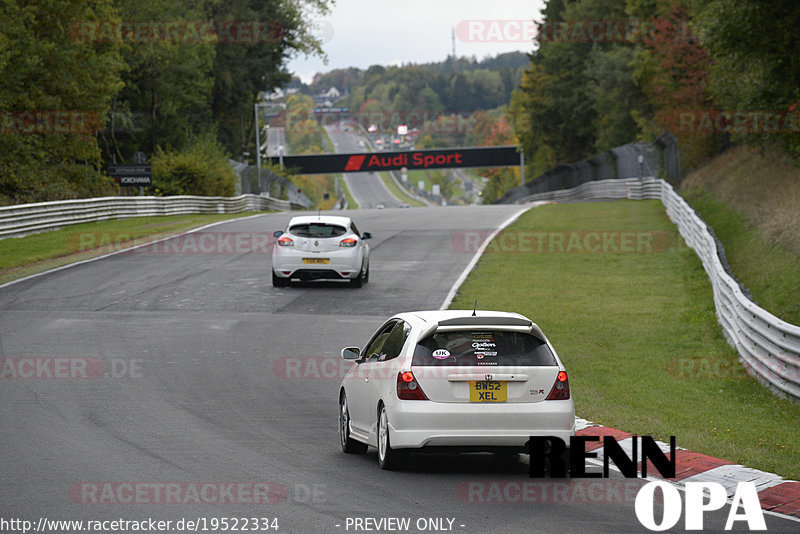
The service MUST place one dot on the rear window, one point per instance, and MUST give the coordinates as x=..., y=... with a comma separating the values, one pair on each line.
x=317, y=230
x=471, y=348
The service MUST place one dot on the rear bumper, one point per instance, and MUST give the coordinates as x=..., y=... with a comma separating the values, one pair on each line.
x=315, y=274
x=415, y=424
x=342, y=265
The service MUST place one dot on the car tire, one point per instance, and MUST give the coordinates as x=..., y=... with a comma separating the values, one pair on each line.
x=349, y=445
x=388, y=458
x=366, y=275
x=277, y=281
x=358, y=281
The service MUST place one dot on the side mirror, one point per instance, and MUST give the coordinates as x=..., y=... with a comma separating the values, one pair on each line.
x=278, y=233
x=351, y=353
x=366, y=235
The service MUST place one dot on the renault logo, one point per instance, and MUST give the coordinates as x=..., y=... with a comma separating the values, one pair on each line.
x=316, y=243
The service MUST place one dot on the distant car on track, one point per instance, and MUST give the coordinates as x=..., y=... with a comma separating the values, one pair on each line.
x=458, y=379
x=320, y=247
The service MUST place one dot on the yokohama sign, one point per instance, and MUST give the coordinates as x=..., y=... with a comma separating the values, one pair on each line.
x=503, y=156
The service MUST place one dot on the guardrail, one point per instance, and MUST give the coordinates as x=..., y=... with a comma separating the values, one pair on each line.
x=24, y=219
x=768, y=347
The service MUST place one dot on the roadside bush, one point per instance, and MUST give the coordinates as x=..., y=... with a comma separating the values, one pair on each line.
x=202, y=169
x=39, y=169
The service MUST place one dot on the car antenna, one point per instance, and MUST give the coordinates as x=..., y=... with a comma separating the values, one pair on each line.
x=475, y=308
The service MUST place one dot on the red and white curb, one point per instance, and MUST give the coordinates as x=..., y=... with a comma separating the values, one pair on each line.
x=776, y=494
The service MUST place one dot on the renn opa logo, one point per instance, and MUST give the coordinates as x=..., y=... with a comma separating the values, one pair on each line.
x=701, y=497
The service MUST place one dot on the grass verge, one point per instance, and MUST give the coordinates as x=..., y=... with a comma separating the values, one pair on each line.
x=768, y=269
x=398, y=192
x=420, y=176
x=23, y=256
x=637, y=330
x=351, y=201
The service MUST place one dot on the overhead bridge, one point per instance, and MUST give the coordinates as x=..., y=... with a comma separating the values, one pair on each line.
x=498, y=156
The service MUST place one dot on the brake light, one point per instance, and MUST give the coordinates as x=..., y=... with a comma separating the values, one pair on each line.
x=408, y=388
x=560, y=390
x=349, y=242
x=285, y=242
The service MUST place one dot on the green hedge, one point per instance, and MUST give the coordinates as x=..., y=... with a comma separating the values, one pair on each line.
x=202, y=169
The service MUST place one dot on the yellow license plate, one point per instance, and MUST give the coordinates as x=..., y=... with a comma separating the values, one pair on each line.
x=316, y=261
x=488, y=392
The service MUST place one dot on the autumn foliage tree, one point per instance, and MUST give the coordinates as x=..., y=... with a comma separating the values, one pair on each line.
x=673, y=69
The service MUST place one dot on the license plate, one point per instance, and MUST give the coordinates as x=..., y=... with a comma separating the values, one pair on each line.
x=488, y=392
x=316, y=261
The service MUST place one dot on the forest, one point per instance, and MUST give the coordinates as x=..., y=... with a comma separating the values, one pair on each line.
x=85, y=84
x=608, y=72
x=88, y=83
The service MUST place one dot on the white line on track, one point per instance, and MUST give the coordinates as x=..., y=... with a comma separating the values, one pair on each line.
x=463, y=276
x=349, y=187
x=67, y=266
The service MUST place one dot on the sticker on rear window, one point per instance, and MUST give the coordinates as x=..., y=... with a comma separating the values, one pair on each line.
x=441, y=354
x=482, y=342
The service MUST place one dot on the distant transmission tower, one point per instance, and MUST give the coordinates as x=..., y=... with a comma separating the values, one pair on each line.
x=453, y=35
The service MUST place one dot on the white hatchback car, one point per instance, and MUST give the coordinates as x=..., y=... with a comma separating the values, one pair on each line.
x=320, y=247
x=454, y=379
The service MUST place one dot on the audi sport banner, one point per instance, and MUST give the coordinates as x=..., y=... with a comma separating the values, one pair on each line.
x=502, y=156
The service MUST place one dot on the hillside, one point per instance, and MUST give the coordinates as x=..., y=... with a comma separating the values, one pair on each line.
x=751, y=198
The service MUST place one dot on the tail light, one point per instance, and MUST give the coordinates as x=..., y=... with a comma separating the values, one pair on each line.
x=408, y=388
x=560, y=389
x=349, y=242
x=285, y=242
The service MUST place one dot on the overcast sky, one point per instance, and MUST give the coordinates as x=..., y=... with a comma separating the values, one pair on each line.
x=360, y=33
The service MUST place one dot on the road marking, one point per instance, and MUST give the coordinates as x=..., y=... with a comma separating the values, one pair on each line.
x=352, y=191
x=463, y=276
x=67, y=266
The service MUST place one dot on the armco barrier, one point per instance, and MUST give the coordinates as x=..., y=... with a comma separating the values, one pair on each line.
x=768, y=347
x=27, y=218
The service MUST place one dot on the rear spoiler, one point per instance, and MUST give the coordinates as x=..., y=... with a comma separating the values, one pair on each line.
x=485, y=323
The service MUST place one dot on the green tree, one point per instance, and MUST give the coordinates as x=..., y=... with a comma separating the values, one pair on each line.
x=54, y=93
x=200, y=169
x=168, y=80
x=555, y=108
x=614, y=95
x=755, y=64
x=247, y=63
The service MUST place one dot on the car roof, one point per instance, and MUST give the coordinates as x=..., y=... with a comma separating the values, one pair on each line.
x=329, y=219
